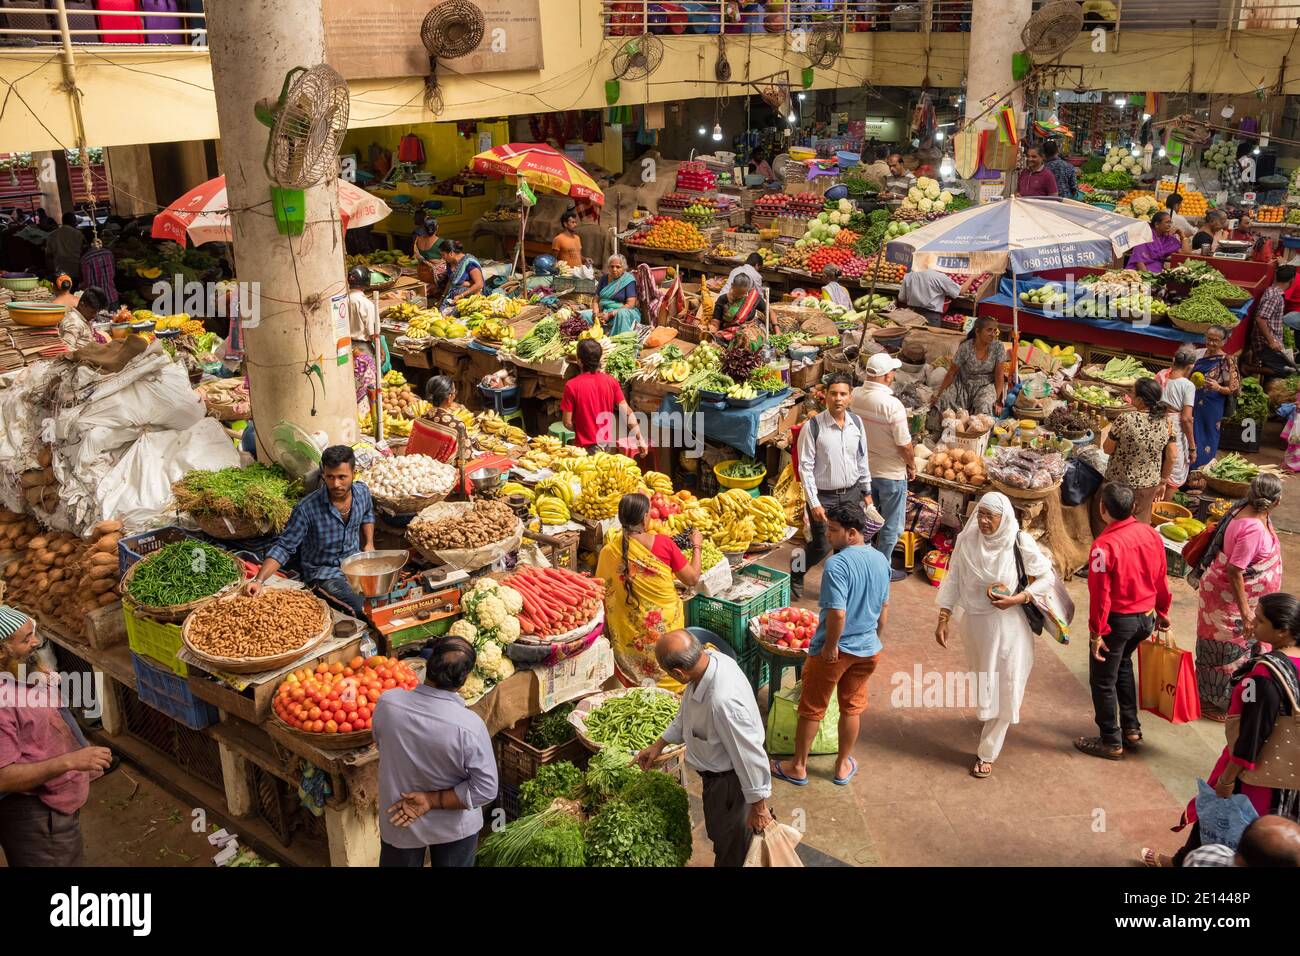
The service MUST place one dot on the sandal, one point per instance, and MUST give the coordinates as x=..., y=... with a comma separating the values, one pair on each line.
x=979, y=771
x=1132, y=739
x=1218, y=716
x=1096, y=747
x=1150, y=857
x=782, y=775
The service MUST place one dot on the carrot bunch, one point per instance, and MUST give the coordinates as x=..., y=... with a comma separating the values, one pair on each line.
x=555, y=600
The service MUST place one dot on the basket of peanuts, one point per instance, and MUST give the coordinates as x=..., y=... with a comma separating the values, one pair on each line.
x=243, y=634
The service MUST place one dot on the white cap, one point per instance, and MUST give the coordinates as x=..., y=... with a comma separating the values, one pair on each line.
x=882, y=363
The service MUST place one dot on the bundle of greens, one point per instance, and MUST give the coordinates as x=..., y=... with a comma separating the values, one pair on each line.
x=1190, y=272
x=561, y=779
x=620, y=361
x=706, y=379
x=550, y=838
x=744, y=468
x=1114, y=180
x=259, y=493
x=543, y=343
x=1252, y=403
x=551, y=729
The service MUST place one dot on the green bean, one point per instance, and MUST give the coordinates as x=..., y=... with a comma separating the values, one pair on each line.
x=633, y=721
x=182, y=572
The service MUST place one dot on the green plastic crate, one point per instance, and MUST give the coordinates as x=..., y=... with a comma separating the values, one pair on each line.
x=158, y=642
x=730, y=620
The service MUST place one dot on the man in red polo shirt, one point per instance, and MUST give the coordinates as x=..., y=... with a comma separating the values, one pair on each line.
x=593, y=405
x=1128, y=599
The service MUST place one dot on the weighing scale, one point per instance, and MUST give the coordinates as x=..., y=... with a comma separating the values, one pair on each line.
x=420, y=607
x=1233, y=249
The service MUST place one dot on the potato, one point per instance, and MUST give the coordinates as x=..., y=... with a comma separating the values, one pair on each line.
x=22, y=542
x=66, y=548
x=102, y=585
x=38, y=543
x=105, y=599
x=102, y=557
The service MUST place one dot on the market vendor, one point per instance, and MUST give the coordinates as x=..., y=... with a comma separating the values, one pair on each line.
x=834, y=291
x=742, y=303
x=464, y=275
x=1151, y=256
x=46, y=766
x=363, y=317
x=1182, y=225
x=451, y=442
x=593, y=406
x=63, y=294
x=1219, y=380
x=1213, y=230
x=977, y=378
x=334, y=522
x=426, y=246
x=75, y=328
x=1267, y=333
x=750, y=268
x=878, y=172
x=1263, y=249
x=927, y=291
x=1035, y=180
x=618, y=304
x=900, y=180
x=567, y=244
x=759, y=166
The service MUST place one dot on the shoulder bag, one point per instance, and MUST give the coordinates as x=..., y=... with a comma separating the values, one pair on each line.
x=1276, y=765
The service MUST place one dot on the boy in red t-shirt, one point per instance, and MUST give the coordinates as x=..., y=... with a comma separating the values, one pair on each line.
x=593, y=404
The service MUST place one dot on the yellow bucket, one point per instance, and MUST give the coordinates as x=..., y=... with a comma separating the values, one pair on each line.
x=801, y=153
x=742, y=483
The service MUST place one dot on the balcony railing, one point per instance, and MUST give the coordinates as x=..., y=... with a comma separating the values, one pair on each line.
x=31, y=23
x=714, y=17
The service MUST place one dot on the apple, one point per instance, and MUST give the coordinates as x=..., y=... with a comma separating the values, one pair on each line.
x=804, y=645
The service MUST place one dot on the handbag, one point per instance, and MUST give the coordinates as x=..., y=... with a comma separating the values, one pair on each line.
x=1057, y=608
x=1037, y=619
x=783, y=719
x=775, y=846
x=1276, y=765
x=1167, y=680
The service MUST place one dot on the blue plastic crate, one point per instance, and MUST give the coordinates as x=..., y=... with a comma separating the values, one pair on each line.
x=162, y=690
x=132, y=549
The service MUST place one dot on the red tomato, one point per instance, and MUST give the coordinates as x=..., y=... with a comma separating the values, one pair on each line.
x=363, y=712
x=322, y=668
x=331, y=727
x=336, y=668
x=389, y=683
x=348, y=672
x=345, y=728
x=351, y=716
x=362, y=724
x=313, y=713
x=362, y=700
x=340, y=715
x=317, y=726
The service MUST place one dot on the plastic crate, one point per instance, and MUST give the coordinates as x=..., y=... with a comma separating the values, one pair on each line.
x=160, y=642
x=132, y=549
x=164, y=691
x=518, y=761
x=730, y=620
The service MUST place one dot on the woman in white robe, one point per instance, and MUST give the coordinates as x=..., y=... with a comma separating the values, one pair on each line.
x=996, y=633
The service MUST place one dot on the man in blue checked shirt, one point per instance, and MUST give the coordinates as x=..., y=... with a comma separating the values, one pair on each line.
x=334, y=522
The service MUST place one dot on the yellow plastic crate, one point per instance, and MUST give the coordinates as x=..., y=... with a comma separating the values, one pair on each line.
x=158, y=642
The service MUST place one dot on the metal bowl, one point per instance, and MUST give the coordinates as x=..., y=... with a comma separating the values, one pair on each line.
x=373, y=573
x=485, y=480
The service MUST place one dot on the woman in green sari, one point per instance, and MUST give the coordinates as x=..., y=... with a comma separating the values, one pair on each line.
x=617, y=291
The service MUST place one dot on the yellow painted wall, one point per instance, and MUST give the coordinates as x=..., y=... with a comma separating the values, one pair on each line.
x=161, y=96
x=446, y=152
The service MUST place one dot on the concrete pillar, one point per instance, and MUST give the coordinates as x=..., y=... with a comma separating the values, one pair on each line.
x=994, y=38
x=353, y=836
x=293, y=349
x=52, y=180
x=130, y=180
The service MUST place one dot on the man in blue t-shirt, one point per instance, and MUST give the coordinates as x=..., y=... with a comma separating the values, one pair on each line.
x=846, y=648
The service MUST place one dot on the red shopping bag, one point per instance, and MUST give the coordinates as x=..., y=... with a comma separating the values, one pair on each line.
x=1167, y=680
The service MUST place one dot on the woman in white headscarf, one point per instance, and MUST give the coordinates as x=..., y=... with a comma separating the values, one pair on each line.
x=998, y=638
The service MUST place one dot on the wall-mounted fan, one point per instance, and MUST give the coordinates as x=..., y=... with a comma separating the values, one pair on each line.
x=307, y=125
x=451, y=29
x=825, y=44
x=638, y=57
x=1052, y=30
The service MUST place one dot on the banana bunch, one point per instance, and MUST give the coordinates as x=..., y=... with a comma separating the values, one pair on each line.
x=547, y=443
x=556, y=487
x=736, y=536
x=657, y=481
x=699, y=517
x=492, y=443
x=395, y=426
x=534, y=461
x=493, y=424
x=605, y=479
x=731, y=505
x=769, y=519
x=515, y=488
x=551, y=510
x=465, y=417
x=492, y=330
x=591, y=504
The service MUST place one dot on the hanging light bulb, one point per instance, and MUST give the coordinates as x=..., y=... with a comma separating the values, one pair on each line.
x=704, y=131
x=946, y=168
x=938, y=136
x=1255, y=151
x=792, y=118
x=1121, y=101
x=1135, y=151
x=1146, y=117
x=717, y=132
x=802, y=97
x=1162, y=152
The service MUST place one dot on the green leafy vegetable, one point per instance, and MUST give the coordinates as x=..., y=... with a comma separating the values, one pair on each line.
x=550, y=838
x=182, y=572
x=1252, y=403
x=625, y=835
x=551, y=729
x=561, y=779
x=257, y=492
x=744, y=468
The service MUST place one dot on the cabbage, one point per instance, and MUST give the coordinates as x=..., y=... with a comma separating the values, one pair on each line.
x=824, y=217
x=801, y=244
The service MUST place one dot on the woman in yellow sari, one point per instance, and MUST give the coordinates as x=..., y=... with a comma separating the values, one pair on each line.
x=641, y=603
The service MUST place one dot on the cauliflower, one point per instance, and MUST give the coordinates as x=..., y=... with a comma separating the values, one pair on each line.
x=945, y=197
x=916, y=194
x=505, y=669
x=938, y=205
x=932, y=191
x=490, y=612
x=512, y=599
x=508, y=632
x=1106, y=167
x=473, y=688
x=465, y=629
x=487, y=584
x=924, y=183
x=925, y=205
x=489, y=656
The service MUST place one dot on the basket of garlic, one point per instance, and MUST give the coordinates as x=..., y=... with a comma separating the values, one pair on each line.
x=407, y=484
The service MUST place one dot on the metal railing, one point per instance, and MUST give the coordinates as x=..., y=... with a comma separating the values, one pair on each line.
x=36, y=23
x=621, y=18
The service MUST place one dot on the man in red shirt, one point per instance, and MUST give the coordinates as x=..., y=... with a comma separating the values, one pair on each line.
x=593, y=404
x=1128, y=599
x=45, y=765
x=1035, y=179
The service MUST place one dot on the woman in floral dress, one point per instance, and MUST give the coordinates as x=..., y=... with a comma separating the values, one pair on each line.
x=1247, y=566
x=641, y=602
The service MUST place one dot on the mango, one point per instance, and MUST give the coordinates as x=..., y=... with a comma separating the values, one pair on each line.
x=1174, y=532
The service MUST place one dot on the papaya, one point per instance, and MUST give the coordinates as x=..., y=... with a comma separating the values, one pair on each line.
x=1174, y=532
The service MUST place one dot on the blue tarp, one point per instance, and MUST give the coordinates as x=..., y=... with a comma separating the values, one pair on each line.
x=1009, y=288
x=737, y=427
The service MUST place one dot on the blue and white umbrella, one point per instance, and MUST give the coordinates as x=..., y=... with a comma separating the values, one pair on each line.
x=1020, y=234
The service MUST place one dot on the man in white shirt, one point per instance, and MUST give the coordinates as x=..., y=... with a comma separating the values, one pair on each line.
x=832, y=469
x=927, y=291
x=363, y=318
x=889, y=450
x=718, y=720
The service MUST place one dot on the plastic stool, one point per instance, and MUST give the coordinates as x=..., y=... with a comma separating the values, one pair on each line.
x=499, y=397
x=908, y=540
x=559, y=431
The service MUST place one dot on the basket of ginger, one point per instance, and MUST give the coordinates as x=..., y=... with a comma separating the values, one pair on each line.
x=959, y=466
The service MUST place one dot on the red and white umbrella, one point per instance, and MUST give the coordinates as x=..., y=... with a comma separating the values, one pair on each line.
x=203, y=213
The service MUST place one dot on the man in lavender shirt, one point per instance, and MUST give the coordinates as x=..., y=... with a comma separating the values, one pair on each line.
x=436, y=766
x=1035, y=180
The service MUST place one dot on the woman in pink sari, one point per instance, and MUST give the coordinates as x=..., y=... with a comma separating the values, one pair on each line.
x=1151, y=256
x=1264, y=694
x=1247, y=566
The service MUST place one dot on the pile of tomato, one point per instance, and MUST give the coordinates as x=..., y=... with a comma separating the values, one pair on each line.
x=339, y=698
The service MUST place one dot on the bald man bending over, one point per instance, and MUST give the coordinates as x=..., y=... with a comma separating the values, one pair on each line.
x=1270, y=841
x=720, y=724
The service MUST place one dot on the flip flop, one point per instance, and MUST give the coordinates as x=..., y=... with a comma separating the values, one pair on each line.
x=782, y=775
x=841, y=781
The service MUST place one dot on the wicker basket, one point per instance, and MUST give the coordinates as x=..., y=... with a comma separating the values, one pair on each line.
x=945, y=483
x=257, y=665
x=1229, y=489
x=230, y=529
x=173, y=614
x=578, y=718
x=410, y=505
x=777, y=651
x=1024, y=494
x=1198, y=327
x=356, y=740
x=1166, y=511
